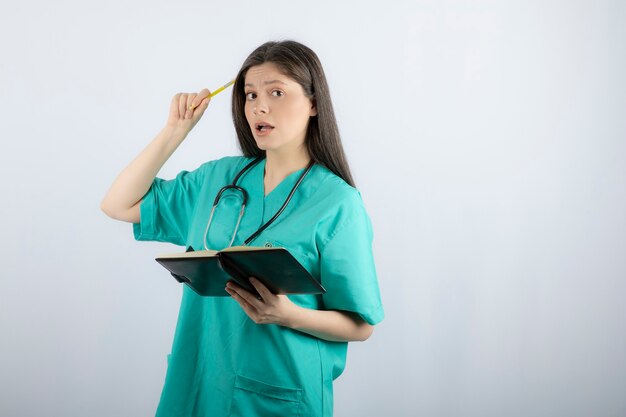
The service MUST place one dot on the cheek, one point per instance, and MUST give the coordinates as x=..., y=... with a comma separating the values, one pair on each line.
x=247, y=112
x=299, y=115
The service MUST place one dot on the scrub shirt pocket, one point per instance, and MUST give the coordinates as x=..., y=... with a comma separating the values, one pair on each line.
x=297, y=252
x=252, y=398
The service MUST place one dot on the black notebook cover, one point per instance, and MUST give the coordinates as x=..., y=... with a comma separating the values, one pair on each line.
x=207, y=275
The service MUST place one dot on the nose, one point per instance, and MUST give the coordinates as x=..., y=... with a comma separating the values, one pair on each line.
x=260, y=107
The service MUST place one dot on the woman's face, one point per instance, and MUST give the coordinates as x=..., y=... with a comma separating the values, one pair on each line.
x=276, y=109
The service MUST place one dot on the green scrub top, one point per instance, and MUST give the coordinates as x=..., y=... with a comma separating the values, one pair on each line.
x=223, y=363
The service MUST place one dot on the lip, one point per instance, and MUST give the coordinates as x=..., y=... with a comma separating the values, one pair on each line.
x=262, y=122
x=265, y=132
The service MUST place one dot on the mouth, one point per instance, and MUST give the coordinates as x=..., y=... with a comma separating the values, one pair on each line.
x=263, y=127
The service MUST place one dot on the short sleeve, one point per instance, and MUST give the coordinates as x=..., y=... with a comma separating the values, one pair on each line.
x=348, y=272
x=168, y=207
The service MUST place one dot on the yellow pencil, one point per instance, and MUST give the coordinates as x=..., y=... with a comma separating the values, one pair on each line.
x=216, y=92
x=222, y=88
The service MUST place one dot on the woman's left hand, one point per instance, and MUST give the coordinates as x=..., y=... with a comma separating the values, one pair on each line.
x=269, y=309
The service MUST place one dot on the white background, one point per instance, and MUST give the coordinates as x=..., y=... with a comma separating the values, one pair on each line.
x=488, y=140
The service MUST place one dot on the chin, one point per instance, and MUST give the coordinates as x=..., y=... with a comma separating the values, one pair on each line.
x=264, y=145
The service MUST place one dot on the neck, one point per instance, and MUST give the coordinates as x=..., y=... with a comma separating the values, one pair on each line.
x=279, y=165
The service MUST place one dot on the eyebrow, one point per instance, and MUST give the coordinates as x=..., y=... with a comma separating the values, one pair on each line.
x=266, y=83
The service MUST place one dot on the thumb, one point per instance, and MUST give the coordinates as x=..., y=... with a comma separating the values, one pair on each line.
x=203, y=104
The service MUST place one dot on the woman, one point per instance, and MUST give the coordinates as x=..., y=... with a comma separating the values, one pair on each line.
x=278, y=355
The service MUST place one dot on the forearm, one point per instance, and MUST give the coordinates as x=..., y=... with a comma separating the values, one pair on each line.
x=332, y=325
x=135, y=180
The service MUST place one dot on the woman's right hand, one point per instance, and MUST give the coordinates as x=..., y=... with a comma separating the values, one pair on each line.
x=186, y=109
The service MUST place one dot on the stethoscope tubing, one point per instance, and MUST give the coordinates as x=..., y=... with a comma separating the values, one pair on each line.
x=244, y=193
x=287, y=200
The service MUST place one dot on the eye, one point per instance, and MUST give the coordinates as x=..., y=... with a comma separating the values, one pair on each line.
x=277, y=93
x=250, y=96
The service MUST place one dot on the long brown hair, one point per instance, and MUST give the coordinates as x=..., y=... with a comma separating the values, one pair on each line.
x=302, y=65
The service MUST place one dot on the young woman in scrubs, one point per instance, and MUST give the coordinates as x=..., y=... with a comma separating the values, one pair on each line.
x=239, y=355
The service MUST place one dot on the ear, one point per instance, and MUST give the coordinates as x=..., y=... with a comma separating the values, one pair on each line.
x=313, y=111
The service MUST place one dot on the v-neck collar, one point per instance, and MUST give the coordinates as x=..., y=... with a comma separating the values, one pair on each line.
x=268, y=205
x=261, y=208
x=283, y=188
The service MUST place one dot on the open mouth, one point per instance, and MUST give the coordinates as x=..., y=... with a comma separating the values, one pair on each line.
x=263, y=127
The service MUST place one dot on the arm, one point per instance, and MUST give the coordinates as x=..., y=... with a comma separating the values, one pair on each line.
x=122, y=200
x=333, y=325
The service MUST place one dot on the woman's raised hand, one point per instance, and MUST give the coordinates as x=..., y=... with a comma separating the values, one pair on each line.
x=186, y=109
x=125, y=195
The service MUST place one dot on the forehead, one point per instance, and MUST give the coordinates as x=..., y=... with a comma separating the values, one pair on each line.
x=266, y=73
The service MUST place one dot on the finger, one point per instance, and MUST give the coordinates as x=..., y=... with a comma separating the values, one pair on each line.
x=247, y=307
x=234, y=286
x=198, y=110
x=174, y=105
x=182, y=105
x=200, y=99
x=233, y=293
x=245, y=294
x=261, y=288
x=189, y=112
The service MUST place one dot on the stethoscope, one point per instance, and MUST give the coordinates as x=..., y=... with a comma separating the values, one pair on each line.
x=244, y=201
